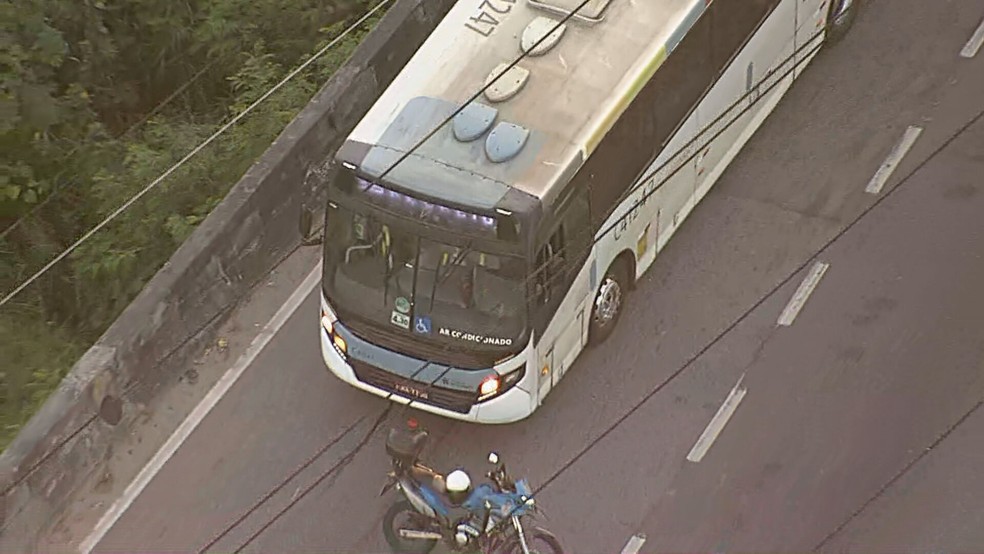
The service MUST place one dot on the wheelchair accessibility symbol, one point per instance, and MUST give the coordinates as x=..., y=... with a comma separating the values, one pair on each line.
x=422, y=325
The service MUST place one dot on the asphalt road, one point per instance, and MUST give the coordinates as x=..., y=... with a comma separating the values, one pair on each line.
x=839, y=431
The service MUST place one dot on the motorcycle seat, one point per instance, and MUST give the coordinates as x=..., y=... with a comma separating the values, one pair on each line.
x=427, y=476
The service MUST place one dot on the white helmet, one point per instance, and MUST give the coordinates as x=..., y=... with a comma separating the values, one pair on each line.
x=458, y=486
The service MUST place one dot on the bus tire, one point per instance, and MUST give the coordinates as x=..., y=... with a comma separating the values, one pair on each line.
x=840, y=18
x=606, y=308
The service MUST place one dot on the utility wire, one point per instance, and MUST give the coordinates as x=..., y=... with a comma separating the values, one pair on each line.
x=641, y=182
x=68, y=438
x=321, y=451
x=191, y=154
x=563, y=21
x=82, y=426
x=900, y=474
x=126, y=132
x=135, y=385
x=324, y=475
x=673, y=376
x=423, y=366
x=523, y=55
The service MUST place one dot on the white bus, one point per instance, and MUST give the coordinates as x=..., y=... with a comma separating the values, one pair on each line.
x=470, y=276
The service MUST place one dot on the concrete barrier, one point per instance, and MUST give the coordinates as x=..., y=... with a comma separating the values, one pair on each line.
x=247, y=234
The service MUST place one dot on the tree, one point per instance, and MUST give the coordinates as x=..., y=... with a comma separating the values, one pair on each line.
x=97, y=98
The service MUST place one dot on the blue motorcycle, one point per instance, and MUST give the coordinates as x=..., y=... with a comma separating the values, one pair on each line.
x=493, y=519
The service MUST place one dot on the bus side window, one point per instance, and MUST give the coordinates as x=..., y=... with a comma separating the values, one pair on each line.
x=550, y=266
x=555, y=256
x=731, y=25
x=539, y=289
x=561, y=257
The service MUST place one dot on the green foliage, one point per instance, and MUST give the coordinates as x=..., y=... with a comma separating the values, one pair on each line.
x=43, y=354
x=99, y=98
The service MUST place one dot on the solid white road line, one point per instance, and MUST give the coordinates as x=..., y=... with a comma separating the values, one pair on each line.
x=188, y=426
x=888, y=167
x=634, y=544
x=802, y=294
x=718, y=422
x=974, y=44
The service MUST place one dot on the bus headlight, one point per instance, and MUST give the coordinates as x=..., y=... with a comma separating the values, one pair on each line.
x=496, y=384
x=328, y=324
x=489, y=387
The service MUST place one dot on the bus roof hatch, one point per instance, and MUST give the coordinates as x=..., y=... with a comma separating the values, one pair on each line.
x=536, y=30
x=505, y=141
x=473, y=121
x=508, y=85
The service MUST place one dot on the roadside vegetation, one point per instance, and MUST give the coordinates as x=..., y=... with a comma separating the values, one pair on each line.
x=97, y=99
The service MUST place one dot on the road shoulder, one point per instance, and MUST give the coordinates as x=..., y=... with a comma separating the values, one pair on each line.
x=158, y=419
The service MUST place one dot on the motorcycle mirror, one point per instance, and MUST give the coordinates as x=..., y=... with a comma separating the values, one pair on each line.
x=493, y=458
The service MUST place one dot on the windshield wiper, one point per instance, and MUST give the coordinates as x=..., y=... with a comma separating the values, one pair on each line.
x=455, y=263
x=413, y=283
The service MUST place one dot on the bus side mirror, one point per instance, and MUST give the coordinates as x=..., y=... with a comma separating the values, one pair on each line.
x=304, y=223
x=507, y=228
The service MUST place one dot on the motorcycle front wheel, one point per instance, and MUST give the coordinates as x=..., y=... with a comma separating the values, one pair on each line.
x=540, y=541
x=401, y=515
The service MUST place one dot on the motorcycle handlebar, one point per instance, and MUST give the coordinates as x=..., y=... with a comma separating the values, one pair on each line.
x=501, y=478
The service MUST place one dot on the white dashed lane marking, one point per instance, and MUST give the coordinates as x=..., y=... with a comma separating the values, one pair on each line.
x=894, y=158
x=802, y=294
x=974, y=44
x=718, y=422
x=634, y=544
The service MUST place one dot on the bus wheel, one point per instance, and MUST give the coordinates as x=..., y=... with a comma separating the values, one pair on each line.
x=840, y=18
x=608, y=302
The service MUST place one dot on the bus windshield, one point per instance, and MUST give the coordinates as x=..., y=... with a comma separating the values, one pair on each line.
x=452, y=294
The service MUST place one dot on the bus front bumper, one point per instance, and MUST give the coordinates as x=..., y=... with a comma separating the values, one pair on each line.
x=513, y=405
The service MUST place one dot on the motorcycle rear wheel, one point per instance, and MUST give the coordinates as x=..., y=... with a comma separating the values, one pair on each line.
x=392, y=526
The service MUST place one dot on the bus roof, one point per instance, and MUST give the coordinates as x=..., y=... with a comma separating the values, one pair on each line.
x=572, y=95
